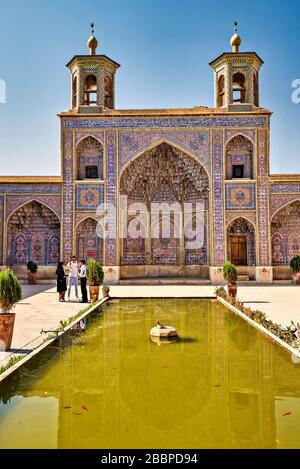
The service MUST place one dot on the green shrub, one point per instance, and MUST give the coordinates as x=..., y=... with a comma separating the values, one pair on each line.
x=295, y=264
x=94, y=273
x=10, y=290
x=32, y=266
x=229, y=272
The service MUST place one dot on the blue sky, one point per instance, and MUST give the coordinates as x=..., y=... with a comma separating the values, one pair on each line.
x=164, y=47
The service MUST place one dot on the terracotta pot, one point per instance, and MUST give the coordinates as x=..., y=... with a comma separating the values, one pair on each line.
x=7, y=322
x=94, y=292
x=232, y=289
x=296, y=278
x=32, y=278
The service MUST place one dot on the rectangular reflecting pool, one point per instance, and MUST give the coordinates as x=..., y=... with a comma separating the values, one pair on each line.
x=222, y=384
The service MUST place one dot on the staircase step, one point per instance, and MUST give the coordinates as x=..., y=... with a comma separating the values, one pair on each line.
x=243, y=278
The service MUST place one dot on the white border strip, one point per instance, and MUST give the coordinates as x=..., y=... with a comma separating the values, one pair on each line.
x=260, y=328
x=45, y=344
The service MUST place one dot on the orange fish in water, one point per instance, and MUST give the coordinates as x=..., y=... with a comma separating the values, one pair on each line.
x=77, y=413
x=84, y=408
x=286, y=413
x=66, y=407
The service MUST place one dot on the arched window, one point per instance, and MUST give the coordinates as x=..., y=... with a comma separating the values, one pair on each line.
x=221, y=91
x=238, y=88
x=239, y=158
x=89, y=159
x=74, y=92
x=90, y=90
x=255, y=89
x=108, y=90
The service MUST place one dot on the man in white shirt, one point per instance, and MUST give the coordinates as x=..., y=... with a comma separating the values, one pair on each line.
x=72, y=268
x=82, y=275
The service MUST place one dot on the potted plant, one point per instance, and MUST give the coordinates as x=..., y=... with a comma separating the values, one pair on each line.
x=295, y=268
x=230, y=275
x=32, y=270
x=95, y=274
x=10, y=294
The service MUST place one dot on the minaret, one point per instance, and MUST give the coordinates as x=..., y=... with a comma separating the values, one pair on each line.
x=236, y=77
x=92, y=80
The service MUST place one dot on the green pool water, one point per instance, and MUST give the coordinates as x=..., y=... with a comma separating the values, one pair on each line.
x=221, y=385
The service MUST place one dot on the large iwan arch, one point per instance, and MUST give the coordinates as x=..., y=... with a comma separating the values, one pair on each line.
x=167, y=177
x=33, y=233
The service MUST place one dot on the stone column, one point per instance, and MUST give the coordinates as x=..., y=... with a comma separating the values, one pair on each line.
x=264, y=271
x=228, y=85
x=67, y=195
x=112, y=270
x=215, y=271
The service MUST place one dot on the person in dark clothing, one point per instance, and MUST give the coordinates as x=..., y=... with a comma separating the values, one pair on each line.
x=61, y=281
x=82, y=275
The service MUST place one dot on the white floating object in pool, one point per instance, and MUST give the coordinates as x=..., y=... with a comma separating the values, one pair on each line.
x=163, y=331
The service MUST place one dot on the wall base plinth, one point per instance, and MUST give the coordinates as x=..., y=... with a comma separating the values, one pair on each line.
x=215, y=275
x=111, y=275
x=264, y=274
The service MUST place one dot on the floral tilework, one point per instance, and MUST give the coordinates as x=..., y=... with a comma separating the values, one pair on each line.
x=229, y=134
x=142, y=123
x=68, y=201
x=16, y=188
x=240, y=197
x=279, y=201
x=218, y=182
x=284, y=188
x=88, y=197
x=262, y=197
x=15, y=201
x=196, y=143
x=111, y=183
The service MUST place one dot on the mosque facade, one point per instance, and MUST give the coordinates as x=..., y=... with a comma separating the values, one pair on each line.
x=124, y=173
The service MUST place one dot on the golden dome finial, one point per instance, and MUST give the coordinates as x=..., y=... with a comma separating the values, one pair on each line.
x=235, y=41
x=92, y=42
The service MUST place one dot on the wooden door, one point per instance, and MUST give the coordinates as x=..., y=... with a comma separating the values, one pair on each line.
x=238, y=250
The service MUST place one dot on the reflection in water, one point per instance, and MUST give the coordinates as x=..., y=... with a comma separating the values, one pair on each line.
x=219, y=384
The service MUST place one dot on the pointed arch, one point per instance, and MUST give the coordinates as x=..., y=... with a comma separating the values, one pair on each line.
x=285, y=223
x=89, y=158
x=89, y=245
x=239, y=157
x=30, y=227
x=241, y=241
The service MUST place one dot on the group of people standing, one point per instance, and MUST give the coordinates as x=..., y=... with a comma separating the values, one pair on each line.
x=76, y=270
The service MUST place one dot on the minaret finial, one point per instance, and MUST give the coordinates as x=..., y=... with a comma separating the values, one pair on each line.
x=92, y=42
x=235, y=41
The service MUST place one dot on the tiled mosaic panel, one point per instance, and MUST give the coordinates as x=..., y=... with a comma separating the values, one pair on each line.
x=218, y=182
x=13, y=202
x=262, y=197
x=68, y=201
x=33, y=233
x=89, y=152
x=279, y=201
x=89, y=196
x=81, y=134
x=240, y=196
x=88, y=244
x=287, y=188
x=111, y=182
x=172, y=122
x=134, y=142
x=229, y=134
x=285, y=232
x=16, y=188
x=1, y=227
x=239, y=151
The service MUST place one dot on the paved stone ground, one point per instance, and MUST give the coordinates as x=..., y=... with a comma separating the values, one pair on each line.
x=39, y=309
x=281, y=303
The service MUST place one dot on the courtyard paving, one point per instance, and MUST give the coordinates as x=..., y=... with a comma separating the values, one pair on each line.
x=40, y=309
